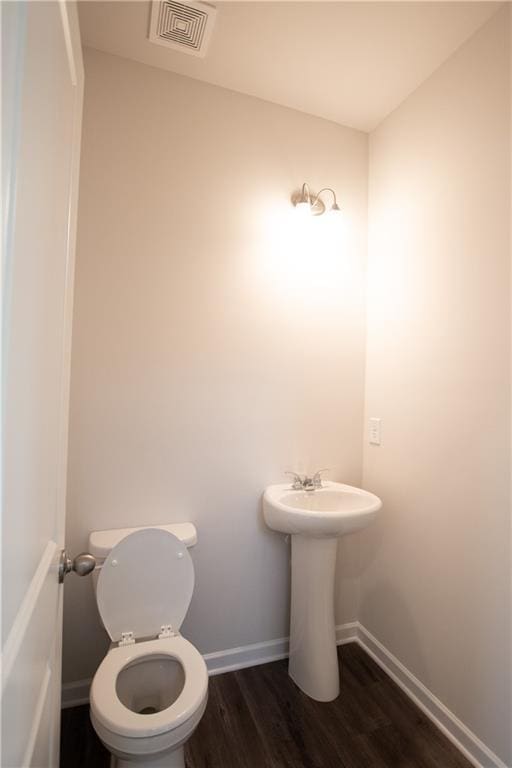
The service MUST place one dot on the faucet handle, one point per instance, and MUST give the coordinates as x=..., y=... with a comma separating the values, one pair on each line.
x=317, y=477
x=297, y=480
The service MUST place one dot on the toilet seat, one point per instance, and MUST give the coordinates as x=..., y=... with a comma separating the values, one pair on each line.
x=145, y=586
x=112, y=713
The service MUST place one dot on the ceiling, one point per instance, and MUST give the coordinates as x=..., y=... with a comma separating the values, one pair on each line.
x=350, y=62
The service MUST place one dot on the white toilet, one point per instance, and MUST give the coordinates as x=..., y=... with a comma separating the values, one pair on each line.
x=150, y=691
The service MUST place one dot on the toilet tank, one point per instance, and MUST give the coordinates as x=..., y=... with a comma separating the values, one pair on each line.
x=102, y=542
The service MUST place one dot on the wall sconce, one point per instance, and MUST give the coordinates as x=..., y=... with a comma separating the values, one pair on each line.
x=307, y=203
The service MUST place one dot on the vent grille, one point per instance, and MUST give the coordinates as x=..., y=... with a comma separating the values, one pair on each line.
x=185, y=26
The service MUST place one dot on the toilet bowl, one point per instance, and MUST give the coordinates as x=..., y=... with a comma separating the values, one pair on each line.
x=150, y=691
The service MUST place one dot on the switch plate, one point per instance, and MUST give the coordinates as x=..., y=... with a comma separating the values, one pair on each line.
x=374, y=435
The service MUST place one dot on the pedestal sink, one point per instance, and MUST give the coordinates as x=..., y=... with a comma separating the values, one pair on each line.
x=315, y=519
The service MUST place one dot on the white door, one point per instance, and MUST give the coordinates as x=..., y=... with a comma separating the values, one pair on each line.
x=42, y=86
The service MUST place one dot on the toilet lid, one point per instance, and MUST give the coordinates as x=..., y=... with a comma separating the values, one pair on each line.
x=145, y=583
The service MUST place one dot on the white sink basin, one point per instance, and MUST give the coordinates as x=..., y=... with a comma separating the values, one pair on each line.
x=332, y=510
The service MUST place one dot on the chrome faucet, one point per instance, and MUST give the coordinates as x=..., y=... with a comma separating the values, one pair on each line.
x=306, y=483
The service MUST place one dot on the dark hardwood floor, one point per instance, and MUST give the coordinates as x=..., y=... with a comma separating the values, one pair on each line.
x=257, y=718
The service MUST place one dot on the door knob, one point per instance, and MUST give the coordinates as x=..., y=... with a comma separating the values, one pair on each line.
x=83, y=564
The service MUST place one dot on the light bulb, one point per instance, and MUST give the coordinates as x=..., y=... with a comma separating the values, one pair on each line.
x=303, y=209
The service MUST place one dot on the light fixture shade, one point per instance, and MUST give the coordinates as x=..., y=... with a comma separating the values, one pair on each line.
x=306, y=202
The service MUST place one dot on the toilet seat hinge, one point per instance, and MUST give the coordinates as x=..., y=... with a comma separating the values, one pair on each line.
x=166, y=631
x=127, y=638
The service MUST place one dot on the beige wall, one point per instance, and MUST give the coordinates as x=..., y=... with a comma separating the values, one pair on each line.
x=436, y=567
x=216, y=343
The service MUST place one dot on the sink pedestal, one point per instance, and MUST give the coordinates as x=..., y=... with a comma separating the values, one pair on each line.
x=313, y=663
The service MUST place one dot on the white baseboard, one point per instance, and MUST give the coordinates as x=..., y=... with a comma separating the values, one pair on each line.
x=455, y=730
x=252, y=655
x=262, y=653
x=246, y=656
x=76, y=693
x=347, y=633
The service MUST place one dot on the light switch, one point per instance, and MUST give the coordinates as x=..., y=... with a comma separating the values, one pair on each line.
x=374, y=431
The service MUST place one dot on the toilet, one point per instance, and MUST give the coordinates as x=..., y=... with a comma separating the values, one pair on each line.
x=149, y=692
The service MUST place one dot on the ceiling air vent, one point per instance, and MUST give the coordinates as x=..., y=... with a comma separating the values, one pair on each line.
x=184, y=27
